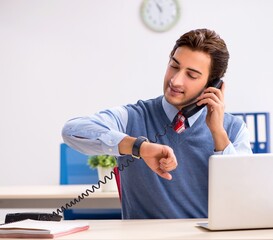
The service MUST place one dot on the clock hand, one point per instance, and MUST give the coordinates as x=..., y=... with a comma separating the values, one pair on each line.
x=158, y=6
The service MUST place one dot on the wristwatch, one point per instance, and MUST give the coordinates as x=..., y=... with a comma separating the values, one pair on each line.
x=136, y=146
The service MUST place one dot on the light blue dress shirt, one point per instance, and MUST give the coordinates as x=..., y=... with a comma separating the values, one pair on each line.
x=102, y=132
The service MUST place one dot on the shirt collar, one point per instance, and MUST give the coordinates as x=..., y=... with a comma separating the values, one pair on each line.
x=171, y=112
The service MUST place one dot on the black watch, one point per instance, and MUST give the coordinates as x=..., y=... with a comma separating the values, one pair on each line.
x=136, y=146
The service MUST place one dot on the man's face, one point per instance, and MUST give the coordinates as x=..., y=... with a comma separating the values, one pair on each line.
x=186, y=76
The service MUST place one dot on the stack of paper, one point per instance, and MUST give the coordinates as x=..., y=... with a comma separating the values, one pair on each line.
x=41, y=229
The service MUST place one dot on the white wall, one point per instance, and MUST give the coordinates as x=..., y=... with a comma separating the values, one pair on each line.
x=65, y=58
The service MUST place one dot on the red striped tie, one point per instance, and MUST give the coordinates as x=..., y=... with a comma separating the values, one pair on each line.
x=179, y=123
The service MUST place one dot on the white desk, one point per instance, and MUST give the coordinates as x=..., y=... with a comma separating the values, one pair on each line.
x=55, y=197
x=160, y=229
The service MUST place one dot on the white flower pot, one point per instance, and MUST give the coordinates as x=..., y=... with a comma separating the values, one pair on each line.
x=111, y=185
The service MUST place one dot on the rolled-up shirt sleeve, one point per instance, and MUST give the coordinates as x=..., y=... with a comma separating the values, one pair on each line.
x=241, y=145
x=97, y=134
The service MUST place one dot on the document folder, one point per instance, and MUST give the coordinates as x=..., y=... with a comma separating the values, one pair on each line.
x=258, y=125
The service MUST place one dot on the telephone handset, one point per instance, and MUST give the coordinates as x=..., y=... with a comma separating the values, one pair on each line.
x=191, y=109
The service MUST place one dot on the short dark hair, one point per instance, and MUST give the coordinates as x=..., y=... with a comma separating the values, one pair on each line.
x=207, y=41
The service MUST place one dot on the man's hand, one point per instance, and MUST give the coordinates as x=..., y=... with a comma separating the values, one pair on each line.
x=214, y=98
x=160, y=158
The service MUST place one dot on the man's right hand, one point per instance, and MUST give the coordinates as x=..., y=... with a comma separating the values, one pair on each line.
x=160, y=158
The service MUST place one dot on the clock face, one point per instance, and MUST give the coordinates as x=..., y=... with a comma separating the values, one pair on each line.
x=160, y=15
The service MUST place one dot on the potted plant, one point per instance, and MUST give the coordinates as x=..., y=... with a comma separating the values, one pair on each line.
x=105, y=165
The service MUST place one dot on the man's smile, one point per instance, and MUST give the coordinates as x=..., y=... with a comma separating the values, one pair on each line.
x=176, y=90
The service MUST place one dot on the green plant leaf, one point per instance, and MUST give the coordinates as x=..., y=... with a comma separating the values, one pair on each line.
x=101, y=160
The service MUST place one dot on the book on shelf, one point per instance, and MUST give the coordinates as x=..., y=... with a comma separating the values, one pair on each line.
x=41, y=229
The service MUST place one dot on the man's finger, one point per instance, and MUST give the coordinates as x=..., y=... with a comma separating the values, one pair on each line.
x=164, y=174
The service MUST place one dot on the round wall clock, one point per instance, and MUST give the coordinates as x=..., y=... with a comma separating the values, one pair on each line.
x=160, y=15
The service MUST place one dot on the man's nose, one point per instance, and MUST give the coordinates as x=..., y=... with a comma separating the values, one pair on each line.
x=178, y=79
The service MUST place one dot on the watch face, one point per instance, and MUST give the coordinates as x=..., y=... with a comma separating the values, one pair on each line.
x=160, y=15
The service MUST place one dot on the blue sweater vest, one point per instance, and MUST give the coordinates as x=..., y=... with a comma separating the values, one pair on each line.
x=144, y=193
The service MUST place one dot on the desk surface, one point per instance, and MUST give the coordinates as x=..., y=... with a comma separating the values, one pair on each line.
x=55, y=196
x=161, y=229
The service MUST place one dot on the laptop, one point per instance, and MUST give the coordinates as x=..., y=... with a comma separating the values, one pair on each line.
x=240, y=192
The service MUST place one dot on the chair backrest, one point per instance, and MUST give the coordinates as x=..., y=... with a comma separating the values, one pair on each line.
x=117, y=177
x=74, y=168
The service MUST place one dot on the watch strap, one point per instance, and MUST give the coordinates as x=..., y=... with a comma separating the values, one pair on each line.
x=136, y=146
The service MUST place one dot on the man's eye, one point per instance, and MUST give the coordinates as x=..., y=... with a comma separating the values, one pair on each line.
x=192, y=76
x=174, y=66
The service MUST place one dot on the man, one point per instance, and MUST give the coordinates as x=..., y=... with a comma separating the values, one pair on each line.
x=170, y=180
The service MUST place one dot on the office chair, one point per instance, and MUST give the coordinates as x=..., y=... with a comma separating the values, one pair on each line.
x=117, y=177
x=74, y=170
